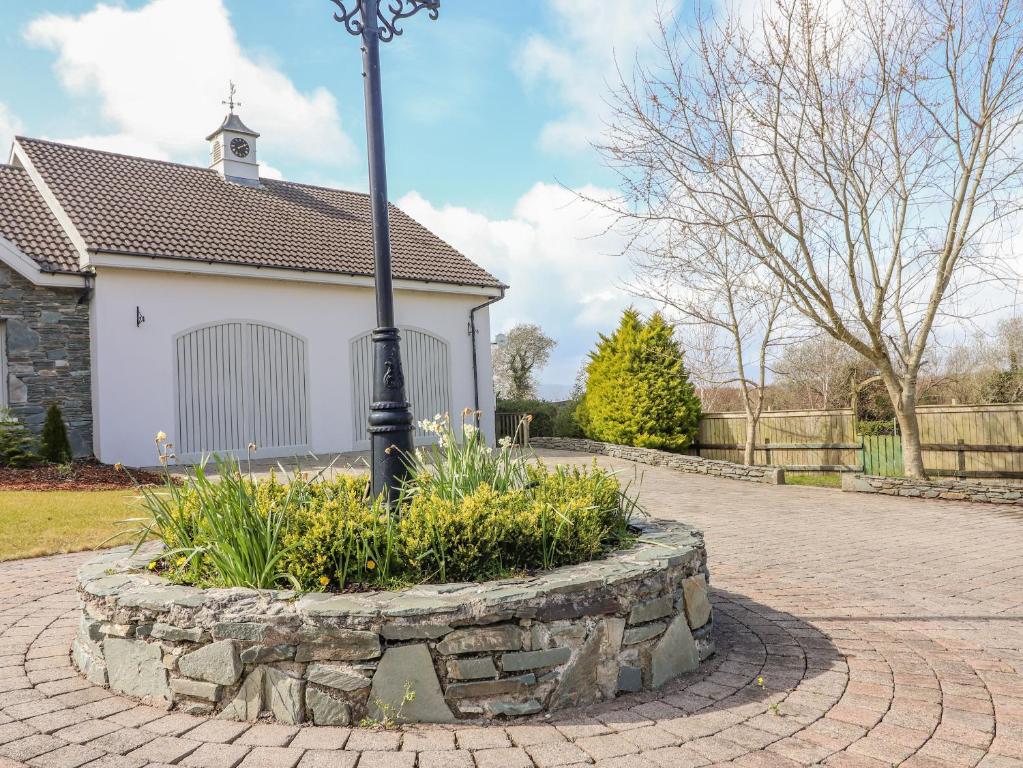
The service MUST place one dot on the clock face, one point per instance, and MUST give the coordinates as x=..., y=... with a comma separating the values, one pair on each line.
x=240, y=147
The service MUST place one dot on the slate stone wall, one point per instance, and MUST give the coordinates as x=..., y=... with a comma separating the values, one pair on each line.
x=564, y=638
x=695, y=464
x=47, y=355
x=989, y=491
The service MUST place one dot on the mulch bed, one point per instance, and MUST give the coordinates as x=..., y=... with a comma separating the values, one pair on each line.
x=80, y=475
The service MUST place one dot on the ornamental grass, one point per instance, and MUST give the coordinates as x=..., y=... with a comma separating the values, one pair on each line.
x=468, y=512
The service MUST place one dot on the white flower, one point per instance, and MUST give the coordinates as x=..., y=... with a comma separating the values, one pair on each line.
x=505, y=442
x=161, y=436
x=469, y=430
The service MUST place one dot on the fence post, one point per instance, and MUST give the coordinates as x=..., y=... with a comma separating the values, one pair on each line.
x=960, y=457
x=767, y=451
x=525, y=433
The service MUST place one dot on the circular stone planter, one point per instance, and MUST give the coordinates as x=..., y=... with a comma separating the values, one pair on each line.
x=566, y=637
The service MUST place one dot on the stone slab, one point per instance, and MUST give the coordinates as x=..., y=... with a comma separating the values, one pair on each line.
x=408, y=666
x=135, y=668
x=215, y=663
x=674, y=654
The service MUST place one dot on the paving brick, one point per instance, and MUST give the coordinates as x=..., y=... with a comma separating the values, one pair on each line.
x=329, y=758
x=508, y=757
x=165, y=749
x=215, y=755
x=272, y=757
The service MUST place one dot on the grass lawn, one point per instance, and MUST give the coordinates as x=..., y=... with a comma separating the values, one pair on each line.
x=815, y=479
x=34, y=523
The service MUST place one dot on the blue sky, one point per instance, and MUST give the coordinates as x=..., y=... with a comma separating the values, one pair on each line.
x=489, y=115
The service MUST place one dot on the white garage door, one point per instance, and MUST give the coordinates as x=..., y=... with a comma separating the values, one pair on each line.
x=427, y=379
x=240, y=383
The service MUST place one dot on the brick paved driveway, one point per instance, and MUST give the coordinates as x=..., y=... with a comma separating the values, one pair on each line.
x=884, y=631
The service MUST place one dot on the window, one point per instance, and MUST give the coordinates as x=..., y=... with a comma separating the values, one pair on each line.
x=3, y=364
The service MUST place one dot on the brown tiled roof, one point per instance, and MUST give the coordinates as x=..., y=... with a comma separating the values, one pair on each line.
x=131, y=205
x=26, y=221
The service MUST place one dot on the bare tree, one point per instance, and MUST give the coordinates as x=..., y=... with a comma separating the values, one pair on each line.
x=867, y=153
x=518, y=356
x=708, y=281
x=818, y=373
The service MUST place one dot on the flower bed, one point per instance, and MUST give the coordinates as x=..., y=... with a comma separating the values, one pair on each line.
x=467, y=513
x=633, y=620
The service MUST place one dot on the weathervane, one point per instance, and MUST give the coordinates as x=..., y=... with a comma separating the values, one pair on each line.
x=230, y=102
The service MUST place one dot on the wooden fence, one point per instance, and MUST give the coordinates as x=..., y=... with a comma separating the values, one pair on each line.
x=795, y=440
x=957, y=440
x=972, y=440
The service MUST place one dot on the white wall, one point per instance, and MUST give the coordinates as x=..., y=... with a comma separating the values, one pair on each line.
x=133, y=367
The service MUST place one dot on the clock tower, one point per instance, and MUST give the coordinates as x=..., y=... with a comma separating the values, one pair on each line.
x=233, y=148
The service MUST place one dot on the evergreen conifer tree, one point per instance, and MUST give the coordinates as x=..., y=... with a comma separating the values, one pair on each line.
x=637, y=388
x=54, y=445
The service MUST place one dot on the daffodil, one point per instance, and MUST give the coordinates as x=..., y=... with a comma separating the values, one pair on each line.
x=161, y=436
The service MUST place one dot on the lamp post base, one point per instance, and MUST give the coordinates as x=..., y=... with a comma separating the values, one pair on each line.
x=390, y=416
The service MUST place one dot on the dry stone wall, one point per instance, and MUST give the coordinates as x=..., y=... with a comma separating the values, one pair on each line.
x=991, y=492
x=695, y=464
x=433, y=653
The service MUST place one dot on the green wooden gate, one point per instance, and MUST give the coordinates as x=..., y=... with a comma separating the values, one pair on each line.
x=882, y=455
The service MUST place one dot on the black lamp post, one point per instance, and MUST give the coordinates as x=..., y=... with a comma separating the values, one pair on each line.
x=390, y=416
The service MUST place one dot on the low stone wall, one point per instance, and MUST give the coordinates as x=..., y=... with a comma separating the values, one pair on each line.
x=950, y=489
x=772, y=475
x=566, y=637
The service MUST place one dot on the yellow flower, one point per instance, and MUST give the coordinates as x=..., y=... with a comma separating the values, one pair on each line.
x=370, y=565
x=118, y=466
x=161, y=436
x=152, y=565
x=180, y=561
x=324, y=581
x=760, y=681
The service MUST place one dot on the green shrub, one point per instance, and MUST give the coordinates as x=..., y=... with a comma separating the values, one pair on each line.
x=565, y=422
x=542, y=411
x=17, y=444
x=875, y=427
x=637, y=388
x=54, y=445
x=470, y=512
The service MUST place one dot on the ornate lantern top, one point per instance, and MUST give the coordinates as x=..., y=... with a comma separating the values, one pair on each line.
x=389, y=14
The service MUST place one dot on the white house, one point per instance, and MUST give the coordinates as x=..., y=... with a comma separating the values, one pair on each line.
x=218, y=306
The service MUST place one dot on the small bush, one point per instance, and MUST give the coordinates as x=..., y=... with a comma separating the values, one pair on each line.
x=54, y=445
x=17, y=444
x=542, y=411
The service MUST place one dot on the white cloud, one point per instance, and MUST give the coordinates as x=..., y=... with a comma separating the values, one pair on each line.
x=555, y=252
x=10, y=126
x=160, y=73
x=578, y=62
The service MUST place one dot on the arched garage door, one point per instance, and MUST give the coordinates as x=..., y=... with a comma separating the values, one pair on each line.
x=427, y=379
x=239, y=383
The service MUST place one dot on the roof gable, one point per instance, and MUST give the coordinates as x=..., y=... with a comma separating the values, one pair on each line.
x=27, y=222
x=129, y=205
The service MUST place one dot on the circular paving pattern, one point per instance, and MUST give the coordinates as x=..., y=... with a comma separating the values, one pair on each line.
x=850, y=631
